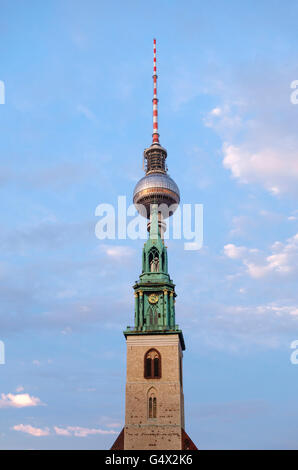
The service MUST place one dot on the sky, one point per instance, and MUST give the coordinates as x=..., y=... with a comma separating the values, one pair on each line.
x=76, y=119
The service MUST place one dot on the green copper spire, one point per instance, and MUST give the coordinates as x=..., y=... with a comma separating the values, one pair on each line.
x=155, y=291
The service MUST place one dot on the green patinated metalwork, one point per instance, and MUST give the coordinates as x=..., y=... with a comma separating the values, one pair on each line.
x=155, y=291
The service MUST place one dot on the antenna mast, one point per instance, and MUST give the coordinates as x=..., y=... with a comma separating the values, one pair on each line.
x=155, y=135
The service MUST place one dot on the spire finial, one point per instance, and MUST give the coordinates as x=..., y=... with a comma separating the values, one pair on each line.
x=155, y=135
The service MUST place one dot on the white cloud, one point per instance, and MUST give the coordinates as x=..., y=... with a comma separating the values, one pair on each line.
x=28, y=429
x=76, y=431
x=19, y=389
x=79, y=431
x=61, y=431
x=258, y=125
x=233, y=251
x=21, y=400
x=223, y=120
x=276, y=169
x=283, y=259
x=278, y=310
x=216, y=111
x=256, y=270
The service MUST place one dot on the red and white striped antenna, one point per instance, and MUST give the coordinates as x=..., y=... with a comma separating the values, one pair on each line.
x=155, y=135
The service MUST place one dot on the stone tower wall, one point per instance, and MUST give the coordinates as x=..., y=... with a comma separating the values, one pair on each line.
x=164, y=431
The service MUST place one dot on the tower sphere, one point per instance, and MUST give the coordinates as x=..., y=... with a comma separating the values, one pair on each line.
x=156, y=188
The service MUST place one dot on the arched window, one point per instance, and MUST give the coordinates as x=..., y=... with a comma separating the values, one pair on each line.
x=152, y=365
x=154, y=260
x=152, y=404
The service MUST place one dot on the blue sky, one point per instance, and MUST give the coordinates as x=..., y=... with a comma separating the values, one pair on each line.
x=77, y=116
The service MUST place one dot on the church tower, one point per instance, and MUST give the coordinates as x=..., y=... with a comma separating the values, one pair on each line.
x=154, y=401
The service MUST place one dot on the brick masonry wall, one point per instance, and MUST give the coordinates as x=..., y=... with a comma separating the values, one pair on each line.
x=163, y=432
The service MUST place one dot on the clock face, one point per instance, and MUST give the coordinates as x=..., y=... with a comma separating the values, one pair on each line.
x=153, y=298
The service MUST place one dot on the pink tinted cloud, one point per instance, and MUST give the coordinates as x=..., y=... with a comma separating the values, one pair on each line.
x=28, y=429
x=20, y=400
